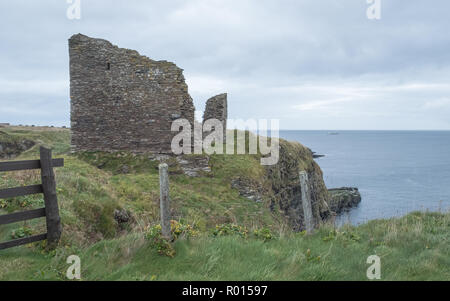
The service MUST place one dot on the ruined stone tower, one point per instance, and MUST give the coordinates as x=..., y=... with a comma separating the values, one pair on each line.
x=121, y=100
x=217, y=108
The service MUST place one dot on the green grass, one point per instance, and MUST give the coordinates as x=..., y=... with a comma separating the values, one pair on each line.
x=414, y=247
x=91, y=186
x=56, y=138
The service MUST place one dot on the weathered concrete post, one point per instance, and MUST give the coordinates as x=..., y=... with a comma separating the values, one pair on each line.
x=164, y=200
x=306, y=202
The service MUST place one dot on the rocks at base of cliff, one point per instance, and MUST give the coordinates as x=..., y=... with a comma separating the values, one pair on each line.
x=11, y=147
x=314, y=154
x=343, y=199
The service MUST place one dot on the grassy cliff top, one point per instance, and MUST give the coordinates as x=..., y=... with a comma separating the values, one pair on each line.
x=91, y=186
x=221, y=234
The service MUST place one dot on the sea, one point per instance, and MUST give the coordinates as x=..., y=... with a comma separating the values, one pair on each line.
x=396, y=172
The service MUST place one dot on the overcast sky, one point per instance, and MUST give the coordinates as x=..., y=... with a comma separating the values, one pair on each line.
x=313, y=64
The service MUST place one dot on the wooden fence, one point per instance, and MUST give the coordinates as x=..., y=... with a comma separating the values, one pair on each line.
x=48, y=188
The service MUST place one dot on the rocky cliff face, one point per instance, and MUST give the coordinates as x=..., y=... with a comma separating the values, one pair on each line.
x=281, y=187
x=285, y=184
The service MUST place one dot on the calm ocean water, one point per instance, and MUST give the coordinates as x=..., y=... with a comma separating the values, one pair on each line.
x=396, y=171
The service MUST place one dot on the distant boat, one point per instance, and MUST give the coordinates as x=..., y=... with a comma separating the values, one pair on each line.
x=333, y=133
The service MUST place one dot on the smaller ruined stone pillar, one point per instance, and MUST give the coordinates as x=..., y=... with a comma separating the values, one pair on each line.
x=164, y=200
x=217, y=108
x=306, y=202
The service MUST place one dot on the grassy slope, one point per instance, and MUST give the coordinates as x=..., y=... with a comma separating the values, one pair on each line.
x=414, y=247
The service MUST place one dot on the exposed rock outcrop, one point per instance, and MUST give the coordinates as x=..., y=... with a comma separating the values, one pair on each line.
x=315, y=155
x=342, y=199
x=11, y=147
x=248, y=190
x=122, y=216
x=194, y=166
x=285, y=182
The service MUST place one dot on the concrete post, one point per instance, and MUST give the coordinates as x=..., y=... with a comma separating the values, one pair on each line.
x=306, y=202
x=164, y=200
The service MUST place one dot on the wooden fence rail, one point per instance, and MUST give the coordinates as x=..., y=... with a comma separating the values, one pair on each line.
x=48, y=188
x=26, y=165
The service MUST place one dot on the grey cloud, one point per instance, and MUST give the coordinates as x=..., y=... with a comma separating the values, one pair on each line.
x=264, y=53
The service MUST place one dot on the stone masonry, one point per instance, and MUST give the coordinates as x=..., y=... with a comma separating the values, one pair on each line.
x=216, y=108
x=121, y=100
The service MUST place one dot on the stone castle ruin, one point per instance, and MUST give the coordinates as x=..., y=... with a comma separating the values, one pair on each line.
x=123, y=101
x=216, y=108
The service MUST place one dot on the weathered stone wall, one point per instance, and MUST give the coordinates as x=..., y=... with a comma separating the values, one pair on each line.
x=121, y=100
x=217, y=108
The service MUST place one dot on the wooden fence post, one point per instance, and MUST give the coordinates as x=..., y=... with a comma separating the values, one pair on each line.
x=50, y=199
x=164, y=200
x=306, y=202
